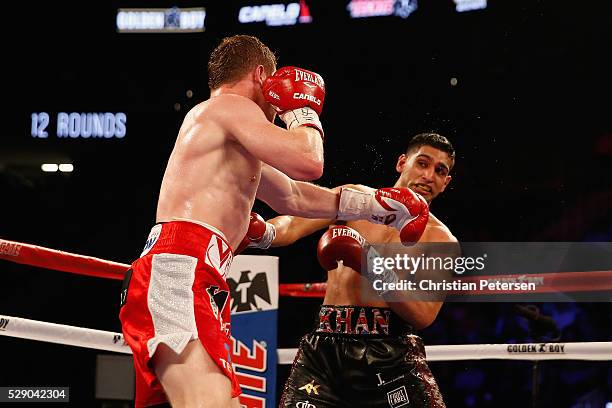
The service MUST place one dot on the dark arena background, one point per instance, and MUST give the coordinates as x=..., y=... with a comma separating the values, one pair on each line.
x=522, y=89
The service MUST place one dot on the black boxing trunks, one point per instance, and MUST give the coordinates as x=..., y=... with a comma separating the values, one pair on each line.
x=360, y=357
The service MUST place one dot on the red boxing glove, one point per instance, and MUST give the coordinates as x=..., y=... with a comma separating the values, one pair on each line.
x=344, y=244
x=340, y=243
x=260, y=234
x=411, y=210
x=297, y=95
x=293, y=88
x=400, y=208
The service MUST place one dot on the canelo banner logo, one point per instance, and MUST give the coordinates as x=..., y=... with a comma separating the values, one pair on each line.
x=280, y=14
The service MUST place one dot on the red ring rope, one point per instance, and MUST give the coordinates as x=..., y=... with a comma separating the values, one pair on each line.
x=34, y=255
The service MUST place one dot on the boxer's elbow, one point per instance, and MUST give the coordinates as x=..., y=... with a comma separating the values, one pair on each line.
x=314, y=166
x=419, y=314
x=316, y=170
x=308, y=169
x=423, y=321
x=428, y=313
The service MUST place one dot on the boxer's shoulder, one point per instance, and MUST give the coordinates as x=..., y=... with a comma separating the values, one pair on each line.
x=228, y=101
x=437, y=231
x=224, y=106
x=374, y=233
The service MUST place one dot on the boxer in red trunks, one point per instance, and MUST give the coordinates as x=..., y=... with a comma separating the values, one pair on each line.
x=187, y=261
x=175, y=301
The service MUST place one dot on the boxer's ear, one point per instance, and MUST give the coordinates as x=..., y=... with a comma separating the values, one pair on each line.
x=446, y=181
x=401, y=163
x=260, y=74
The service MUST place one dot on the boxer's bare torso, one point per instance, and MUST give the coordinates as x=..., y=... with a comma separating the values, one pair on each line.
x=210, y=177
x=345, y=285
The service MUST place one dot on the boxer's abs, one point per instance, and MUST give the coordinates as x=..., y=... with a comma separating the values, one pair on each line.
x=344, y=287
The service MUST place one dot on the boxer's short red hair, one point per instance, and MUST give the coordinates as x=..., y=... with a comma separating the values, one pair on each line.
x=235, y=56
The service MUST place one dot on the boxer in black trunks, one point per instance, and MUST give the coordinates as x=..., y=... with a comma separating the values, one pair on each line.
x=363, y=352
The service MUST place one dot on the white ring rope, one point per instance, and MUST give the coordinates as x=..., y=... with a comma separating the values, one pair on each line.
x=62, y=334
x=105, y=340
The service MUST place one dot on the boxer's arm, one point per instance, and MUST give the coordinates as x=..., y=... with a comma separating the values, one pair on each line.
x=422, y=314
x=419, y=314
x=287, y=196
x=417, y=307
x=297, y=152
x=289, y=228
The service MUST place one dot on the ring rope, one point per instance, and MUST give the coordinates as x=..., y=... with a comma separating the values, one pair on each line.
x=85, y=265
x=42, y=257
x=105, y=340
x=590, y=281
x=62, y=334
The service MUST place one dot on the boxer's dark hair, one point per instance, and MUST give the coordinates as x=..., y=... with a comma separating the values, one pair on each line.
x=434, y=140
x=235, y=56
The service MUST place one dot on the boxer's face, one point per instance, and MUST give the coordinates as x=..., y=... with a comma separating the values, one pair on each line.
x=424, y=170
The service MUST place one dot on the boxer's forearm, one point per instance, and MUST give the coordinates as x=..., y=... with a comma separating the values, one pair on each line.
x=297, y=152
x=290, y=197
x=312, y=201
x=304, y=146
x=289, y=228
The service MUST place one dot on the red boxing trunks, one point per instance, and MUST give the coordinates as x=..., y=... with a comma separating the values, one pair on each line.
x=174, y=293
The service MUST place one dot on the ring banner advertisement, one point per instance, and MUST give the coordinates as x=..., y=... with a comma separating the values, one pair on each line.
x=489, y=272
x=253, y=282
